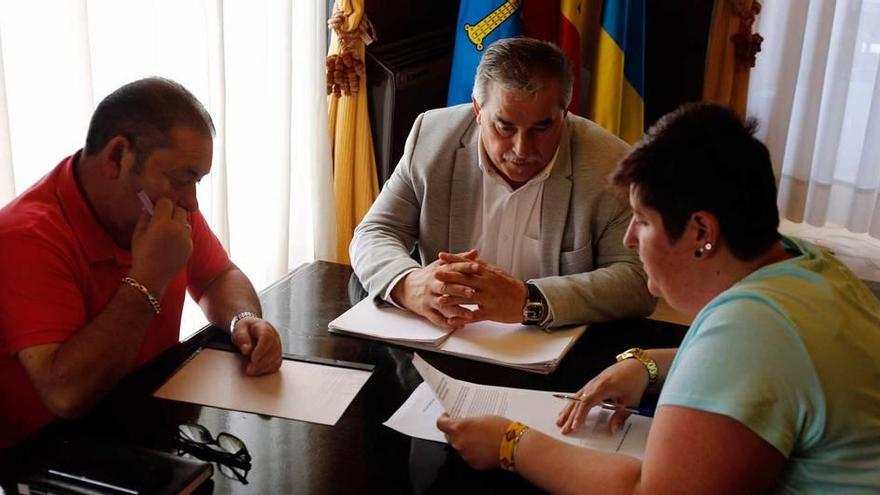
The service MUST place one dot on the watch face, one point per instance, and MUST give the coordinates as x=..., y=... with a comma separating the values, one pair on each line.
x=533, y=312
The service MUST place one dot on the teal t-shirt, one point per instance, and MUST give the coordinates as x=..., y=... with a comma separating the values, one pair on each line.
x=792, y=351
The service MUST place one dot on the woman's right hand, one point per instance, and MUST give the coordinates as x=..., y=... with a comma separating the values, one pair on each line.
x=623, y=383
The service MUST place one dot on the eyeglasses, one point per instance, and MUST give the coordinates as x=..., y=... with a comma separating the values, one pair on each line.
x=239, y=473
x=227, y=451
x=226, y=448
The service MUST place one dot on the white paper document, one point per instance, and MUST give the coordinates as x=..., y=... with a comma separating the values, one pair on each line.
x=299, y=390
x=439, y=392
x=389, y=323
x=509, y=344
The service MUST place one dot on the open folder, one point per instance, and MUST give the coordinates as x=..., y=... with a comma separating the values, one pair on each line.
x=507, y=344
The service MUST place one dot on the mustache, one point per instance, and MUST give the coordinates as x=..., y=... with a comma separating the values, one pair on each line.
x=532, y=159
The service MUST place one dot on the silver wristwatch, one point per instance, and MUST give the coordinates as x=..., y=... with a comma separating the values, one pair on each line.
x=241, y=316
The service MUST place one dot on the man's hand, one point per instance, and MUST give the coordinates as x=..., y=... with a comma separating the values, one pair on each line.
x=477, y=440
x=421, y=291
x=257, y=339
x=160, y=246
x=498, y=294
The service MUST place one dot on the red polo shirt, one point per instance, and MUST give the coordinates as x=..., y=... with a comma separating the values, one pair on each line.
x=58, y=270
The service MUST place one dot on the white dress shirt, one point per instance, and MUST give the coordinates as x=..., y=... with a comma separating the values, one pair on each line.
x=507, y=230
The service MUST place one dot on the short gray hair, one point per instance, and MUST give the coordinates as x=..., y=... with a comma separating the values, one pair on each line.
x=523, y=64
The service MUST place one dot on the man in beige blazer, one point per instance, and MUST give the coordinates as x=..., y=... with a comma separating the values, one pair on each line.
x=509, y=205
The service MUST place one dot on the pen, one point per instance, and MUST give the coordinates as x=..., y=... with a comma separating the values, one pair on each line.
x=611, y=406
x=145, y=201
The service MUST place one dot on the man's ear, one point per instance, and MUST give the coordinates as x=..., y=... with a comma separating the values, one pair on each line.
x=476, y=108
x=117, y=155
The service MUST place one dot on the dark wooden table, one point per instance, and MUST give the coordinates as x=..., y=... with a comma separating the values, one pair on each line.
x=358, y=455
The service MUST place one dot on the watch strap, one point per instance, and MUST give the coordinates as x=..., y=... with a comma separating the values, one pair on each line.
x=239, y=317
x=645, y=359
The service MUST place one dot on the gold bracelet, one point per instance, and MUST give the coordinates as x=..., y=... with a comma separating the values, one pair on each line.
x=143, y=290
x=641, y=356
x=509, y=441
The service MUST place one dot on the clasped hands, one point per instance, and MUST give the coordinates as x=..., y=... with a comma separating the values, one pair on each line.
x=438, y=291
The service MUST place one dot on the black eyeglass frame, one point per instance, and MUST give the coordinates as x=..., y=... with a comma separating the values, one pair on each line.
x=234, y=471
x=240, y=458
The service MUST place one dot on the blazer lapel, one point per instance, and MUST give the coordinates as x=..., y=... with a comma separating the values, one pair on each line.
x=464, y=198
x=554, y=206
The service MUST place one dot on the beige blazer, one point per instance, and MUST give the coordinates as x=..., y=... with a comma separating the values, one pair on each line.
x=430, y=203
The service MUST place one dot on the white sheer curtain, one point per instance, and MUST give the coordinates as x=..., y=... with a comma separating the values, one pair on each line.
x=257, y=66
x=816, y=92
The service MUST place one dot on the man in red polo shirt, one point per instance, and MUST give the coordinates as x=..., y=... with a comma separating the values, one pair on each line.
x=96, y=256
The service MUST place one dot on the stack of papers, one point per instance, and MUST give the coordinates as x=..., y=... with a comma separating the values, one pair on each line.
x=441, y=393
x=507, y=344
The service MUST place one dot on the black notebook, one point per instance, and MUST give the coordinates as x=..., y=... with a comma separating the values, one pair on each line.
x=86, y=466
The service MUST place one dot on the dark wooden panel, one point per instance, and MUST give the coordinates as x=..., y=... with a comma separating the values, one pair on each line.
x=676, y=35
x=396, y=20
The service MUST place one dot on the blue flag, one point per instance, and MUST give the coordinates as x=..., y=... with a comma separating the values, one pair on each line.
x=618, y=87
x=480, y=22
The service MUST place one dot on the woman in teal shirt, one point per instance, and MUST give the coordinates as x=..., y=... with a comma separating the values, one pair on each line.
x=776, y=386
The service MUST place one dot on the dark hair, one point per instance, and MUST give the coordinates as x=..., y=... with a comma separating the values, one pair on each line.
x=145, y=111
x=704, y=157
x=523, y=64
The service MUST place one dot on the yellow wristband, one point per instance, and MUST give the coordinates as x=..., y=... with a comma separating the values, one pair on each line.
x=509, y=442
x=143, y=290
